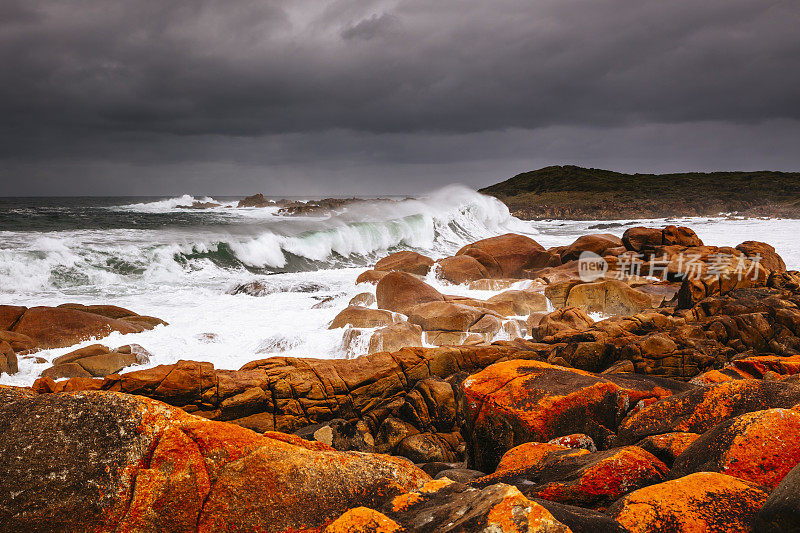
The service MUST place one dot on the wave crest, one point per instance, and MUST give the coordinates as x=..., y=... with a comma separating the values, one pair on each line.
x=436, y=225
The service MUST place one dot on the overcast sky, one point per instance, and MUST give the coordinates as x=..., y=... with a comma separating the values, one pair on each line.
x=154, y=97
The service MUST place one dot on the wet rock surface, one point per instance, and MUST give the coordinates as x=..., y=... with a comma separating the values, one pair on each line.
x=675, y=406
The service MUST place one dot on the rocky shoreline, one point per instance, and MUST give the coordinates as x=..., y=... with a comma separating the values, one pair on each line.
x=647, y=398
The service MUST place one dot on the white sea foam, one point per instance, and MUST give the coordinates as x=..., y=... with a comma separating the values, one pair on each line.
x=184, y=274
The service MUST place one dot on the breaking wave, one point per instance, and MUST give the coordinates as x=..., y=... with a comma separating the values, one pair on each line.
x=436, y=225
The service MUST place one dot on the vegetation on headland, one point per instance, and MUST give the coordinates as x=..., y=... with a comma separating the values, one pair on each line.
x=573, y=192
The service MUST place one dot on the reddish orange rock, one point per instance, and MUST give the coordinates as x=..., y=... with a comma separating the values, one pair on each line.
x=577, y=441
x=758, y=366
x=460, y=269
x=519, y=401
x=443, y=505
x=9, y=314
x=508, y=255
x=530, y=454
x=698, y=410
x=58, y=327
x=371, y=276
x=702, y=502
x=668, y=446
x=761, y=447
x=130, y=464
x=363, y=520
x=578, y=477
x=716, y=376
x=405, y=261
x=599, y=479
x=399, y=291
x=597, y=243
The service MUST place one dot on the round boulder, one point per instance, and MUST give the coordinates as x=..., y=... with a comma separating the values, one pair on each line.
x=506, y=256
x=705, y=501
x=405, y=261
x=399, y=291
x=461, y=269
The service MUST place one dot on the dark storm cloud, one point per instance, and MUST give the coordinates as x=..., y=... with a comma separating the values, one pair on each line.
x=369, y=83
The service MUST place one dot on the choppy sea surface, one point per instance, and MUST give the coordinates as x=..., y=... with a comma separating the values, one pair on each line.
x=155, y=258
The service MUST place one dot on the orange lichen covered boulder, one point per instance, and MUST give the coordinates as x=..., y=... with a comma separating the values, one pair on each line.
x=698, y=410
x=530, y=454
x=761, y=447
x=444, y=505
x=519, y=401
x=716, y=376
x=759, y=366
x=363, y=520
x=405, y=261
x=399, y=291
x=508, y=255
x=598, y=479
x=102, y=461
x=705, y=501
x=668, y=446
x=577, y=441
x=581, y=478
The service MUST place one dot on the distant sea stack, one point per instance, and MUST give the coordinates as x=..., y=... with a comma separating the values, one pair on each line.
x=573, y=192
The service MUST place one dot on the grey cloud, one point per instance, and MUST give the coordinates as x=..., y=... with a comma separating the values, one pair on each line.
x=371, y=27
x=94, y=82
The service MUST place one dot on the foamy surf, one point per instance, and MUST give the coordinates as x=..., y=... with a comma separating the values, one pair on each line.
x=181, y=265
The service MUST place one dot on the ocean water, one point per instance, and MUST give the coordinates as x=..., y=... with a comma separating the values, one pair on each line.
x=150, y=256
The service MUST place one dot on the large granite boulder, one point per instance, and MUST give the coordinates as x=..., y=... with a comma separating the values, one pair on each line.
x=598, y=243
x=507, y=256
x=760, y=447
x=699, y=409
x=704, y=501
x=99, y=461
x=405, y=261
x=460, y=269
x=518, y=401
x=399, y=291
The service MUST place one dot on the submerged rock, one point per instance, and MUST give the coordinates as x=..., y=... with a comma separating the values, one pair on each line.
x=256, y=200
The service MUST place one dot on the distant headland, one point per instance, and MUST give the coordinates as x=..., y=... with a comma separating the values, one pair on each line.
x=573, y=192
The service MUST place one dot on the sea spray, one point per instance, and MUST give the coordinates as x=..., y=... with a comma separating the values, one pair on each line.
x=184, y=265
